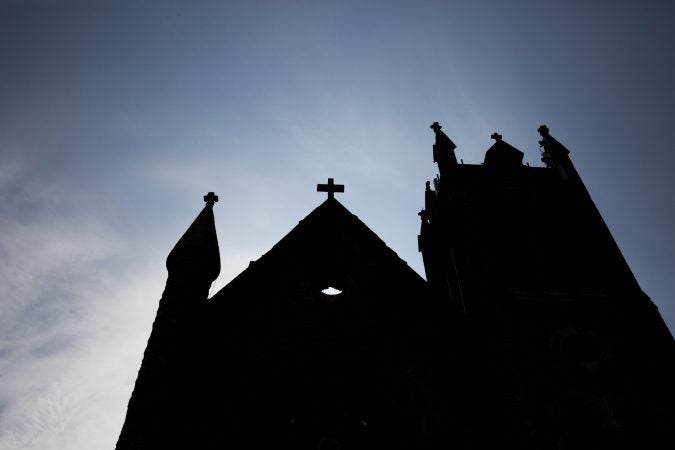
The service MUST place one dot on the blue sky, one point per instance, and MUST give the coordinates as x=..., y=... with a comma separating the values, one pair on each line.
x=116, y=117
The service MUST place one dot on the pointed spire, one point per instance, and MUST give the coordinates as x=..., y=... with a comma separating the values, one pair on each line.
x=196, y=253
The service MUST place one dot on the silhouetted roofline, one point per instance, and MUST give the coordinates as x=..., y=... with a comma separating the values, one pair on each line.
x=333, y=207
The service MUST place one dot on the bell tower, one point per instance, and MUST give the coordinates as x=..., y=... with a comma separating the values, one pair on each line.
x=580, y=355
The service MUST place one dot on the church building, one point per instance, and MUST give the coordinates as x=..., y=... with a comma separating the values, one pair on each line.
x=529, y=332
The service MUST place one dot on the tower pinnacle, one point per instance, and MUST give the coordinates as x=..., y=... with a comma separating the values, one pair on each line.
x=555, y=154
x=444, y=150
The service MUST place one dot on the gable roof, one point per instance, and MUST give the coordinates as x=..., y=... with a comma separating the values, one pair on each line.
x=329, y=247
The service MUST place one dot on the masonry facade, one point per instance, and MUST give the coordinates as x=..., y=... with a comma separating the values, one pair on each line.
x=529, y=332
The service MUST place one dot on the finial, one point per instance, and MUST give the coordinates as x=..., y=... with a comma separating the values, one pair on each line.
x=543, y=130
x=210, y=198
x=331, y=188
x=436, y=127
x=428, y=186
x=496, y=136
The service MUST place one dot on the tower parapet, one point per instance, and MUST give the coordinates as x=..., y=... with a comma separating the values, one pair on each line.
x=545, y=292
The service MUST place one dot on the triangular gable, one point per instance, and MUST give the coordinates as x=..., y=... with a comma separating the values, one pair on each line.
x=329, y=247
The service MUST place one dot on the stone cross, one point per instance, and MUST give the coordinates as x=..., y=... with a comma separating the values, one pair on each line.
x=210, y=198
x=331, y=188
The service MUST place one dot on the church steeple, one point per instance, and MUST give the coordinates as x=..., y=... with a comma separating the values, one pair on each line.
x=196, y=252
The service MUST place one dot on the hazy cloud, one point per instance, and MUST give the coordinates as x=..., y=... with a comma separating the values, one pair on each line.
x=73, y=318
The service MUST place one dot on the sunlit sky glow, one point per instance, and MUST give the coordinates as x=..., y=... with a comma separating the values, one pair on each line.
x=116, y=117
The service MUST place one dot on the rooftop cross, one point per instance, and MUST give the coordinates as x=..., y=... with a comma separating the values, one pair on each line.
x=210, y=198
x=496, y=136
x=331, y=188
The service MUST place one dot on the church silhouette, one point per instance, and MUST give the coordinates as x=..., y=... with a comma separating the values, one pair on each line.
x=530, y=331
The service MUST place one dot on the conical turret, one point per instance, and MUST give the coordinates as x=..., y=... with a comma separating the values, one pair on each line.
x=196, y=254
x=193, y=264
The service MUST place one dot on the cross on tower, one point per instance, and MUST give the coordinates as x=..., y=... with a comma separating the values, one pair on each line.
x=331, y=188
x=210, y=198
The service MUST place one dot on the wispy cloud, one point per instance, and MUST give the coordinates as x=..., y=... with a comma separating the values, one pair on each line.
x=73, y=317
